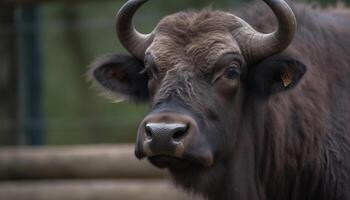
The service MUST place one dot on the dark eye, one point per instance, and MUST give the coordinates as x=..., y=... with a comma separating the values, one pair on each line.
x=232, y=73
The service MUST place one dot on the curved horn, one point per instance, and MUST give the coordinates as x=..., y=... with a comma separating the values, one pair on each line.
x=257, y=46
x=136, y=43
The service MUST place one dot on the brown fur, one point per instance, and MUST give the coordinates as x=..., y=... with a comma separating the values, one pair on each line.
x=298, y=132
x=269, y=144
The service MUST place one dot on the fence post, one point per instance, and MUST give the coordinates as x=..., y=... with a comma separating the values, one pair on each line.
x=30, y=90
x=8, y=75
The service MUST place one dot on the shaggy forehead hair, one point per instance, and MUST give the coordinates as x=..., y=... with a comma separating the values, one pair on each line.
x=185, y=47
x=192, y=40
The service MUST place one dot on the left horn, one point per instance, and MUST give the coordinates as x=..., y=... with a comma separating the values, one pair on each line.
x=257, y=46
x=136, y=43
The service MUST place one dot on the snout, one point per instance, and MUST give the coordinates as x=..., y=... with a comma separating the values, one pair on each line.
x=171, y=139
x=163, y=138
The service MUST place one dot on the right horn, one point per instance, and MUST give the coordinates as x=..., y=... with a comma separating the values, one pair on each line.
x=136, y=43
x=257, y=46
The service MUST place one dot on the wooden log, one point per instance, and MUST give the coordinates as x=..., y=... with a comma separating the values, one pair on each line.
x=91, y=190
x=62, y=162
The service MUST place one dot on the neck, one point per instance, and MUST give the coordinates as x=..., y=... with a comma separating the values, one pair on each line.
x=283, y=163
x=241, y=179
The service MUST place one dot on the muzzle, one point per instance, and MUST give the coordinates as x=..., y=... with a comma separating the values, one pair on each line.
x=169, y=138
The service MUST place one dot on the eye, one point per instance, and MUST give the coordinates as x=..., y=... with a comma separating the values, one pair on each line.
x=232, y=73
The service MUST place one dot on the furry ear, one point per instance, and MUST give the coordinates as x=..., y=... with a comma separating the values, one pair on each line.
x=275, y=75
x=120, y=76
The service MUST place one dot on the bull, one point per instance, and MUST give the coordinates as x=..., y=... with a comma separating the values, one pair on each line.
x=241, y=109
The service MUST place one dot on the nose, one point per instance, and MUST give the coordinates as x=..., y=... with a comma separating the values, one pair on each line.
x=166, y=131
x=164, y=134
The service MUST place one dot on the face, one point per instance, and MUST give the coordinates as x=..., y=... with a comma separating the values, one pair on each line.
x=191, y=89
x=197, y=73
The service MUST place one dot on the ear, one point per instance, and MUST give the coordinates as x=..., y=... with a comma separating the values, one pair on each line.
x=275, y=75
x=120, y=76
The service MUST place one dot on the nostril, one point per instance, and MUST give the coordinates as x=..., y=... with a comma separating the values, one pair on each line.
x=148, y=131
x=180, y=133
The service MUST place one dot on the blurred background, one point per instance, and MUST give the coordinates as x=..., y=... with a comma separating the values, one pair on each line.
x=45, y=48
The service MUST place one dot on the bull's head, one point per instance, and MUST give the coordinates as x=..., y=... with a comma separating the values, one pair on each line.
x=197, y=70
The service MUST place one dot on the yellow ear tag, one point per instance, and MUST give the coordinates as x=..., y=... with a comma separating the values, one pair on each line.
x=287, y=78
